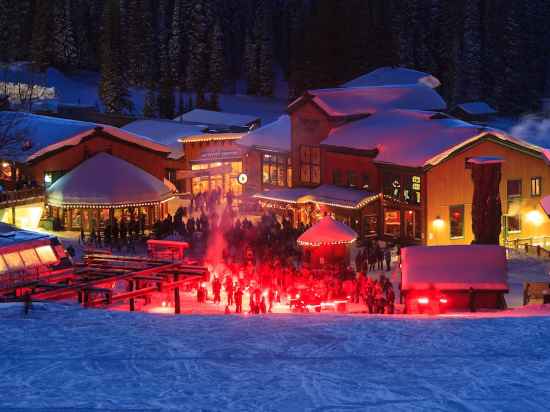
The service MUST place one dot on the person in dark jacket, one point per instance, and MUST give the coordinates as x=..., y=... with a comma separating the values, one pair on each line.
x=216, y=289
x=390, y=300
x=238, y=300
x=387, y=258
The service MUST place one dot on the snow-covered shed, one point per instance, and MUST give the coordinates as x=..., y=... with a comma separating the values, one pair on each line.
x=461, y=272
x=210, y=117
x=394, y=75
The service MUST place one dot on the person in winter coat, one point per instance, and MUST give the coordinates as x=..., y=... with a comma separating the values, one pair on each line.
x=216, y=289
x=229, y=290
x=390, y=300
x=379, y=298
x=379, y=258
x=387, y=258
x=369, y=294
x=238, y=300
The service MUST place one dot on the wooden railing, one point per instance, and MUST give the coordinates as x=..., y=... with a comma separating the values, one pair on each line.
x=535, y=246
x=20, y=197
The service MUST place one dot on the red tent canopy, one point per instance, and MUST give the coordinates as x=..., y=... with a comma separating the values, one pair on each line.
x=327, y=232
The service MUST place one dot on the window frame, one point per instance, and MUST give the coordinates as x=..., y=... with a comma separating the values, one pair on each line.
x=462, y=207
x=539, y=187
x=508, y=195
x=307, y=163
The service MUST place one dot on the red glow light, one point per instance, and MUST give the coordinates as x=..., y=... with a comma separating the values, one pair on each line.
x=423, y=301
x=443, y=300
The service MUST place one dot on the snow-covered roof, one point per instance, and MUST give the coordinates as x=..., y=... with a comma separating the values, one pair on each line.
x=414, y=138
x=326, y=232
x=112, y=131
x=345, y=197
x=273, y=136
x=394, y=75
x=166, y=132
x=41, y=131
x=354, y=101
x=105, y=180
x=476, y=108
x=11, y=235
x=476, y=266
x=210, y=117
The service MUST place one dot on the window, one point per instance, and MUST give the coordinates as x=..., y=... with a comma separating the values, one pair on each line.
x=413, y=222
x=352, y=179
x=274, y=170
x=337, y=177
x=392, y=222
x=456, y=219
x=171, y=175
x=370, y=225
x=535, y=186
x=513, y=188
x=392, y=185
x=513, y=217
x=310, y=168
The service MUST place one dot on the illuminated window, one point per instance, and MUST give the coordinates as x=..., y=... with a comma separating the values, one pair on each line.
x=30, y=258
x=513, y=188
x=310, y=164
x=370, y=225
x=274, y=169
x=14, y=261
x=46, y=254
x=392, y=185
x=536, y=186
x=513, y=217
x=392, y=222
x=456, y=219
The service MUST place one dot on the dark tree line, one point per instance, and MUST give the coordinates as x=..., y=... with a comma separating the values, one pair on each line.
x=494, y=50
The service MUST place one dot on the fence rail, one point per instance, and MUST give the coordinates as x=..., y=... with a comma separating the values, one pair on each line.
x=19, y=197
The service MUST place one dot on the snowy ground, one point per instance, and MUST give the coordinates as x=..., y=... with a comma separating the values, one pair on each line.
x=69, y=359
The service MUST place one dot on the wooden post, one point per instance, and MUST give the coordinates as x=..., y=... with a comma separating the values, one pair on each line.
x=132, y=300
x=177, y=302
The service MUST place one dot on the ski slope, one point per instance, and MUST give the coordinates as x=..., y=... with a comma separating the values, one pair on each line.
x=62, y=358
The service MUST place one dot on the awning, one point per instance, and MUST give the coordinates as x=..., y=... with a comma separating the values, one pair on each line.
x=330, y=195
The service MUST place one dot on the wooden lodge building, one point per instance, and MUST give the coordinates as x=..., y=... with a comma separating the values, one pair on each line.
x=388, y=161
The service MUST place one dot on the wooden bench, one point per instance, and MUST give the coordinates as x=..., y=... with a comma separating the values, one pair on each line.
x=536, y=292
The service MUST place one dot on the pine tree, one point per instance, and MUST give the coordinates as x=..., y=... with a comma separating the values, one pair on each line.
x=150, y=103
x=64, y=47
x=166, y=101
x=202, y=103
x=113, y=90
x=265, y=52
x=214, y=102
x=251, y=65
x=42, y=23
x=5, y=29
x=471, y=64
x=175, y=48
x=216, y=63
x=198, y=47
x=190, y=105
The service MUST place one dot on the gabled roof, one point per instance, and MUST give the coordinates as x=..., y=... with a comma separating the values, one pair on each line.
x=273, y=136
x=41, y=131
x=394, y=75
x=166, y=132
x=414, y=138
x=106, y=181
x=210, y=117
x=476, y=108
x=109, y=130
x=327, y=231
x=357, y=101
